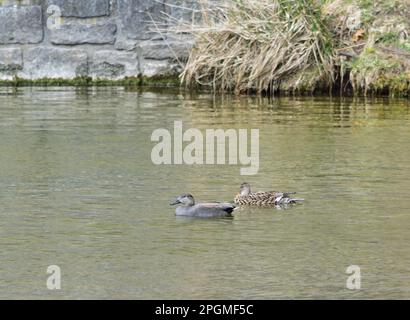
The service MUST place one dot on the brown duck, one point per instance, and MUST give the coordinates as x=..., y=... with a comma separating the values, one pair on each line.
x=263, y=198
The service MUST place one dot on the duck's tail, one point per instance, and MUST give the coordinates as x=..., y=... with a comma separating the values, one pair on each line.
x=228, y=207
x=292, y=200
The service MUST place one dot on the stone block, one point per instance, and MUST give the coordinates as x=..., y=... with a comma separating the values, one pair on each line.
x=11, y=61
x=76, y=33
x=42, y=62
x=138, y=18
x=152, y=68
x=112, y=64
x=21, y=25
x=166, y=49
x=82, y=8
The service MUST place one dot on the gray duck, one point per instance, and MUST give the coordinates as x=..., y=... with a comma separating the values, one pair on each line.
x=189, y=208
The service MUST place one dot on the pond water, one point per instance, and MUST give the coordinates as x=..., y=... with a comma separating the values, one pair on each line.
x=78, y=189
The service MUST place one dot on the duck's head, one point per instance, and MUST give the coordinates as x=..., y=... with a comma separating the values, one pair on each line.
x=185, y=199
x=245, y=189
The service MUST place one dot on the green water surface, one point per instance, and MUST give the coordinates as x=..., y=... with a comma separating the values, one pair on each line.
x=78, y=189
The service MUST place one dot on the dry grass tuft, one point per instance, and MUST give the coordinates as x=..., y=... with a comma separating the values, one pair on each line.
x=246, y=46
x=298, y=45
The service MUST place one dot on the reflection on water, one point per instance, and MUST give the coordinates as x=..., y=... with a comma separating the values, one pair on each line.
x=78, y=189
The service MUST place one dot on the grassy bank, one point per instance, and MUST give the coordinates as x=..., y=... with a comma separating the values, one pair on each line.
x=357, y=47
x=298, y=46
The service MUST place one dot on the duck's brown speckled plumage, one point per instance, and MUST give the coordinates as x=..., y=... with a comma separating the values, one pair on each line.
x=267, y=198
x=257, y=198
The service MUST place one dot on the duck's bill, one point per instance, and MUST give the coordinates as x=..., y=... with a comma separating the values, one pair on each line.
x=174, y=202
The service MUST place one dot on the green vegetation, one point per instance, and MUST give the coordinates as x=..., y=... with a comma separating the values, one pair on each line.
x=159, y=81
x=301, y=46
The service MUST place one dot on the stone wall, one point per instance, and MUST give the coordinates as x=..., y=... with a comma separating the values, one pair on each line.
x=102, y=39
